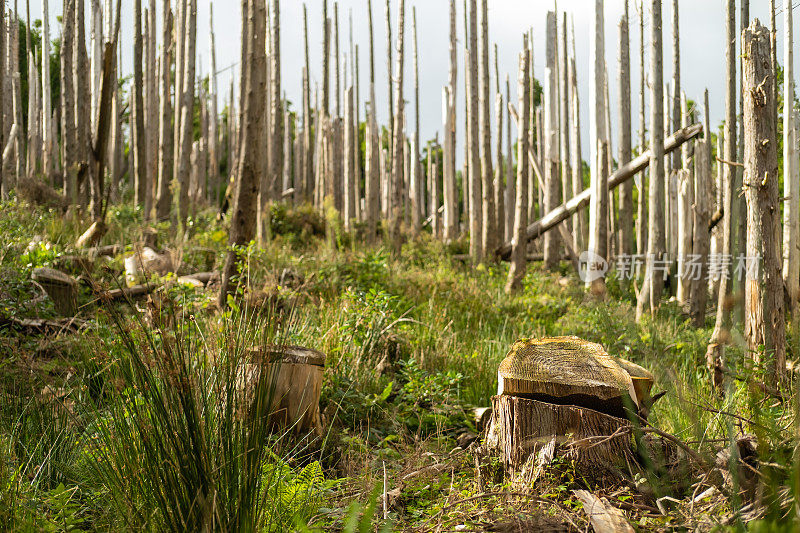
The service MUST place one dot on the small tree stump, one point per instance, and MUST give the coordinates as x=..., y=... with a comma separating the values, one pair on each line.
x=60, y=287
x=520, y=426
x=295, y=375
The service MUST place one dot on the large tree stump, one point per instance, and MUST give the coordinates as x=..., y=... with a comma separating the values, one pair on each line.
x=295, y=378
x=521, y=426
x=60, y=287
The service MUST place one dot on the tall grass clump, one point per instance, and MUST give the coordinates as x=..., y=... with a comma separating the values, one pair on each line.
x=182, y=441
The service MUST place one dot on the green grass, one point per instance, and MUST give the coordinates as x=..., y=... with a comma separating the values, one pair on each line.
x=412, y=342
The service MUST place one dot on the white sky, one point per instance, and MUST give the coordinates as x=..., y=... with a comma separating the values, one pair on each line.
x=702, y=47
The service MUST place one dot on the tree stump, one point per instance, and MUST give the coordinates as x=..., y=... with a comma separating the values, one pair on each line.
x=295, y=378
x=60, y=287
x=521, y=426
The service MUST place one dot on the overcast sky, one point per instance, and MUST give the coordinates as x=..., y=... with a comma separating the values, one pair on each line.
x=701, y=34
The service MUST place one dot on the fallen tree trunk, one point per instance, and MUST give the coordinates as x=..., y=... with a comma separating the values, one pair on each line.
x=626, y=172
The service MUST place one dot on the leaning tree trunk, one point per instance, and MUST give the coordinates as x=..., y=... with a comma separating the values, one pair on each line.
x=715, y=352
x=656, y=245
x=791, y=171
x=763, y=298
x=251, y=158
x=520, y=242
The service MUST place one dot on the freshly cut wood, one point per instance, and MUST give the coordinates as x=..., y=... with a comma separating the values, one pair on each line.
x=604, y=517
x=92, y=236
x=624, y=173
x=566, y=371
x=60, y=287
x=294, y=375
x=520, y=426
x=144, y=262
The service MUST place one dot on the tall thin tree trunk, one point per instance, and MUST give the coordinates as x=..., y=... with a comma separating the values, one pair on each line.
x=598, y=216
x=791, y=170
x=187, y=112
x=641, y=207
x=552, y=179
x=475, y=207
x=48, y=142
x=511, y=182
x=139, y=147
x=567, y=191
x=96, y=59
x=626, y=236
x=68, y=103
x=308, y=149
x=716, y=345
x=372, y=193
x=701, y=237
x=449, y=192
x=276, y=115
x=252, y=157
x=656, y=245
x=516, y=271
x=165, y=131
x=499, y=194
x=349, y=162
x=763, y=298
x=399, y=142
x=488, y=215
x=416, y=188
x=580, y=222
x=213, y=119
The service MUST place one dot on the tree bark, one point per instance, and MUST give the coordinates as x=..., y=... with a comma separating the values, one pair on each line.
x=701, y=237
x=641, y=207
x=139, y=147
x=626, y=236
x=497, y=187
x=165, y=131
x=372, y=193
x=475, y=205
x=251, y=159
x=213, y=119
x=791, y=171
x=686, y=205
x=276, y=154
x=763, y=299
x=656, y=245
x=48, y=141
x=416, y=187
x=68, y=103
x=598, y=214
x=519, y=242
x=396, y=211
x=349, y=162
x=450, y=193
x=716, y=345
x=187, y=112
x=488, y=214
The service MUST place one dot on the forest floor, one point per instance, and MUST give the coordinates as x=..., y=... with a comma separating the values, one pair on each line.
x=413, y=344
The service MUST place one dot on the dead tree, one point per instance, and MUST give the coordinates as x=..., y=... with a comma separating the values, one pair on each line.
x=791, y=170
x=69, y=138
x=580, y=221
x=165, y=131
x=598, y=215
x=488, y=215
x=686, y=202
x=139, y=148
x=475, y=206
x=398, y=143
x=213, y=135
x=449, y=192
x=519, y=241
x=349, y=161
x=415, y=186
x=763, y=299
x=308, y=147
x=151, y=109
x=552, y=184
x=48, y=140
x=641, y=205
x=251, y=159
x=187, y=112
x=626, y=236
x=499, y=194
x=716, y=345
x=276, y=154
x=391, y=81
x=650, y=293
x=371, y=142
x=701, y=239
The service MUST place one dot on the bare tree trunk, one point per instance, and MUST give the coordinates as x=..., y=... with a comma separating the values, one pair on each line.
x=499, y=193
x=791, y=170
x=68, y=103
x=475, y=206
x=701, y=237
x=276, y=146
x=552, y=181
x=449, y=193
x=416, y=187
x=308, y=148
x=349, y=161
x=251, y=160
x=716, y=345
x=336, y=58
x=488, y=215
x=180, y=27
x=96, y=59
x=139, y=148
x=686, y=201
x=48, y=142
x=564, y=128
x=598, y=215
x=656, y=246
x=626, y=235
x=151, y=111
x=641, y=208
x=213, y=119
x=763, y=301
x=520, y=242
x=326, y=59
x=399, y=142
x=372, y=144
x=580, y=221
x=359, y=215
x=391, y=83
x=187, y=112
x=165, y=131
